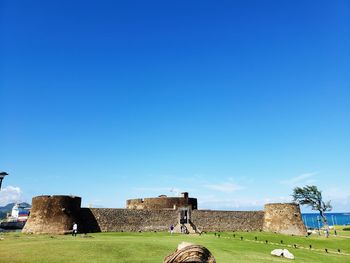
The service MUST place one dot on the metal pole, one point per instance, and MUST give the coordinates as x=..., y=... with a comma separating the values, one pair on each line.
x=2, y=175
x=305, y=219
x=335, y=231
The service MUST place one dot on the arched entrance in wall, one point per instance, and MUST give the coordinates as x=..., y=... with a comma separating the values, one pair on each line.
x=185, y=224
x=184, y=215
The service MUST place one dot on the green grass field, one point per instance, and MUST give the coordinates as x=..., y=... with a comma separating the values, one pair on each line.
x=153, y=247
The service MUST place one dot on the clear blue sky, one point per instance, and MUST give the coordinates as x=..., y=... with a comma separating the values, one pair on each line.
x=236, y=102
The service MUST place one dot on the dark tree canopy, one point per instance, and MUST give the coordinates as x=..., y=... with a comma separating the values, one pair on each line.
x=309, y=195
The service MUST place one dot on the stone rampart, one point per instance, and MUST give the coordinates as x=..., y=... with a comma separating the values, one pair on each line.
x=284, y=218
x=113, y=219
x=209, y=220
x=110, y=219
x=53, y=214
x=162, y=202
x=56, y=214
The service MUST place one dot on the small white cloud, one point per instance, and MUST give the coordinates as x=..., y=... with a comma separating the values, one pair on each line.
x=224, y=187
x=339, y=197
x=10, y=194
x=305, y=178
x=336, y=193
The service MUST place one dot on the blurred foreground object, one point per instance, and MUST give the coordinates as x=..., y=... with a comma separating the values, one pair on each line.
x=188, y=252
x=2, y=175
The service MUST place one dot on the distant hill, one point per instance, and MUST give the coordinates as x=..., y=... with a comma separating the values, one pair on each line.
x=7, y=209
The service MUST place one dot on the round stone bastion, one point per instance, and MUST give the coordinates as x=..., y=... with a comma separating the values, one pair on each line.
x=162, y=202
x=284, y=218
x=53, y=214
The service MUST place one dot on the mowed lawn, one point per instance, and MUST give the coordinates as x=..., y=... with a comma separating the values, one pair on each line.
x=153, y=247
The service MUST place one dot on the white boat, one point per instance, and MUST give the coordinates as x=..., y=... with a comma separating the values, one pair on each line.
x=17, y=218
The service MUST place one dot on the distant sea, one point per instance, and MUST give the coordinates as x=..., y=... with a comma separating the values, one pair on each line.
x=10, y=230
x=313, y=220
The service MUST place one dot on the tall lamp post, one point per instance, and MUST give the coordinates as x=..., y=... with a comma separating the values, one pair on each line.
x=2, y=175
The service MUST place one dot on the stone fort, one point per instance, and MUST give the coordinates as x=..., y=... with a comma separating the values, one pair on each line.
x=56, y=214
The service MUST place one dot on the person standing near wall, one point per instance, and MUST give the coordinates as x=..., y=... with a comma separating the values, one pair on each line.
x=75, y=229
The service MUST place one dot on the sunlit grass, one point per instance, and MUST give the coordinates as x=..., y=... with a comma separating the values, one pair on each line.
x=153, y=247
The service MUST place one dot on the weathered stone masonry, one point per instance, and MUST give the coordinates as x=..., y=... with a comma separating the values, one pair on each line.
x=109, y=219
x=209, y=220
x=162, y=202
x=283, y=218
x=114, y=220
x=53, y=214
x=56, y=214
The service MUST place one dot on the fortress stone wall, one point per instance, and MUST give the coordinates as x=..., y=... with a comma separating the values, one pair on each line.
x=209, y=220
x=116, y=220
x=162, y=202
x=284, y=218
x=109, y=220
x=53, y=214
x=56, y=214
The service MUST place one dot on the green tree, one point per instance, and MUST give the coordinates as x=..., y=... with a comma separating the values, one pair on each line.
x=309, y=195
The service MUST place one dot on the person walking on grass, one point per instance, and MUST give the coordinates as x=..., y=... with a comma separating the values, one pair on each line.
x=75, y=229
